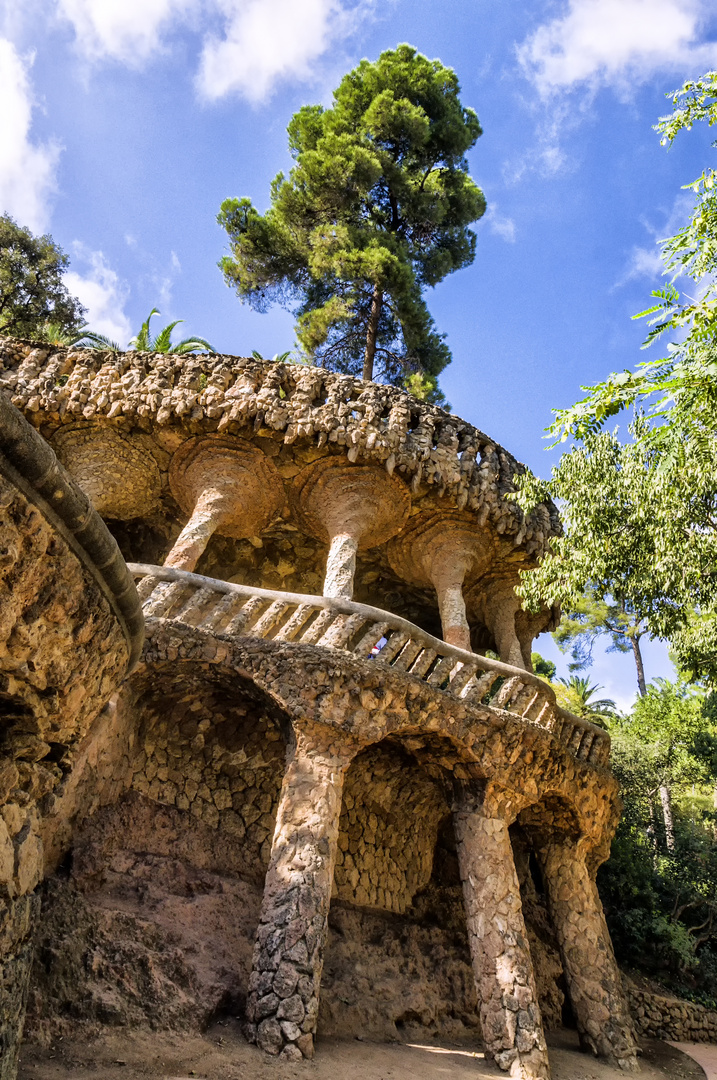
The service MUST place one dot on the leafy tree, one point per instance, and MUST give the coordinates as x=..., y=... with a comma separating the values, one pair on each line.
x=677, y=433
x=543, y=667
x=32, y=292
x=375, y=210
x=577, y=696
x=669, y=716
x=594, y=617
x=660, y=883
x=162, y=342
x=630, y=540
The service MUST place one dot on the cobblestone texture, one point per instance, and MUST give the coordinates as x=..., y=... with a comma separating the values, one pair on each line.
x=594, y=982
x=509, y=1010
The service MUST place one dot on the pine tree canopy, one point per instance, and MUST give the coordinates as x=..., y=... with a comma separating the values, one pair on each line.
x=376, y=209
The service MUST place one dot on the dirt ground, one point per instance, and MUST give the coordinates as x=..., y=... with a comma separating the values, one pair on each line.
x=223, y=1054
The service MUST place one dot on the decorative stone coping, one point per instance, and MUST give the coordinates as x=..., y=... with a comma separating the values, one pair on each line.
x=224, y=607
x=30, y=465
x=215, y=393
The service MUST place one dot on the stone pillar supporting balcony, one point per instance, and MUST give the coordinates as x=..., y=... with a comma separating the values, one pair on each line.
x=502, y=965
x=283, y=1000
x=350, y=507
x=226, y=486
x=446, y=551
x=592, y=974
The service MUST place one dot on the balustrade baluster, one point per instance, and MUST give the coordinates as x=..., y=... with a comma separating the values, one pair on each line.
x=244, y=618
x=223, y=611
x=407, y=656
x=191, y=610
x=164, y=598
x=442, y=671
x=370, y=639
x=318, y=627
x=507, y=692
x=423, y=662
x=263, y=626
x=393, y=646
x=461, y=678
x=474, y=692
x=293, y=626
x=345, y=628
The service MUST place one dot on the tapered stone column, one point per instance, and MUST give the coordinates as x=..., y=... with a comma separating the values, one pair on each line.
x=591, y=972
x=226, y=486
x=446, y=551
x=350, y=507
x=502, y=965
x=283, y=1000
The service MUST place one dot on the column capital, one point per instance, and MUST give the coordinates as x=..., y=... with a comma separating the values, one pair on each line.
x=487, y=800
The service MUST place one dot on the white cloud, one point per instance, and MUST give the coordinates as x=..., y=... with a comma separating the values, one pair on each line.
x=500, y=225
x=268, y=40
x=102, y=292
x=643, y=263
x=248, y=45
x=617, y=42
x=27, y=169
x=129, y=31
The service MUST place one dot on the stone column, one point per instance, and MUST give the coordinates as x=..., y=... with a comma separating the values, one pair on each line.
x=283, y=1000
x=226, y=486
x=591, y=972
x=446, y=551
x=350, y=507
x=505, y=982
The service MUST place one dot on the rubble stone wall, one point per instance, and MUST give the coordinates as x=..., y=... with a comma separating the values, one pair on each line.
x=387, y=831
x=670, y=1018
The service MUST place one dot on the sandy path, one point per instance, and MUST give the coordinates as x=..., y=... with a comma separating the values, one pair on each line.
x=222, y=1054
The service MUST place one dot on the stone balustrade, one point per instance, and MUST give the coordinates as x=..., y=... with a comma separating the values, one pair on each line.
x=224, y=607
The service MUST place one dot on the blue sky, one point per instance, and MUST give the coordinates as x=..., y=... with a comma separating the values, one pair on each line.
x=124, y=123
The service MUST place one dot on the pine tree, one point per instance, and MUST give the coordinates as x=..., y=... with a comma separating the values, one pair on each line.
x=375, y=210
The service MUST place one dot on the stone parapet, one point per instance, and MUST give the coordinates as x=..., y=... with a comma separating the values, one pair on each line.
x=204, y=394
x=670, y=1018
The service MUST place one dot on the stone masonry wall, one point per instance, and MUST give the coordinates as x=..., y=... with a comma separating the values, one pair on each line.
x=670, y=1018
x=387, y=831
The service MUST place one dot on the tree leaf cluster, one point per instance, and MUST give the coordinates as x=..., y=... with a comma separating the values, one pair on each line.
x=375, y=210
x=32, y=290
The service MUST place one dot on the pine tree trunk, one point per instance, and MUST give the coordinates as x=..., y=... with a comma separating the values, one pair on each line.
x=372, y=333
x=641, y=684
x=666, y=800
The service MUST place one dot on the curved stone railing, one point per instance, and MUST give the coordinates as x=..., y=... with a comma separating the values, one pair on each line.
x=224, y=607
x=30, y=465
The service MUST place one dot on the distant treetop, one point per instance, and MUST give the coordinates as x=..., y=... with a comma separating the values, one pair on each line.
x=376, y=209
x=32, y=292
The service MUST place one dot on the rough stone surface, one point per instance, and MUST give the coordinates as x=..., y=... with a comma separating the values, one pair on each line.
x=270, y=754
x=591, y=972
x=283, y=1001
x=510, y=1013
x=17, y=923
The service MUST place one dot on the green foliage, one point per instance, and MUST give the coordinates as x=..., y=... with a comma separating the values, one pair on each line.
x=543, y=667
x=32, y=292
x=661, y=903
x=577, y=696
x=680, y=391
x=596, y=616
x=662, y=542
x=375, y=210
x=162, y=342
